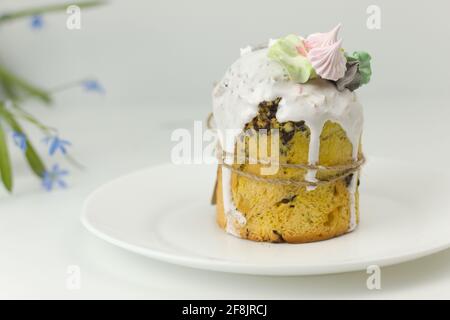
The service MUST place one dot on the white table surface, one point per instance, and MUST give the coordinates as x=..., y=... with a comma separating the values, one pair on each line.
x=41, y=233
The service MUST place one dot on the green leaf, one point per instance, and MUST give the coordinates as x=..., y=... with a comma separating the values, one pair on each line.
x=12, y=84
x=8, y=89
x=33, y=159
x=6, y=17
x=19, y=112
x=284, y=51
x=5, y=162
x=364, y=67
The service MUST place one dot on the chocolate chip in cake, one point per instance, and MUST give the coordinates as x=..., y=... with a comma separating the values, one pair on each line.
x=272, y=111
x=288, y=199
x=279, y=235
x=348, y=179
x=286, y=136
x=300, y=126
x=266, y=117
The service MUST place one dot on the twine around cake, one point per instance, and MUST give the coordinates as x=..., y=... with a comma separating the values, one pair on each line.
x=341, y=171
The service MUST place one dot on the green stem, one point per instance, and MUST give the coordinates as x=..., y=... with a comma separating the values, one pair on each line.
x=5, y=162
x=11, y=83
x=48, y=9
x=33, y=159
x=19, y=112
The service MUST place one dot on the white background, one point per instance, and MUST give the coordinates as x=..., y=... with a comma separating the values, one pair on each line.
x=157, y=61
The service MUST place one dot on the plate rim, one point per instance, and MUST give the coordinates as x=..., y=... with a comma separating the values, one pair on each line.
x=245, y=268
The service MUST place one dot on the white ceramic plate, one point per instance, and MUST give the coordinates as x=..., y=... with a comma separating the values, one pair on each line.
x=164, y=213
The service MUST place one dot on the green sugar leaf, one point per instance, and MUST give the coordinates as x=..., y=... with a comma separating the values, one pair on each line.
x=364, y=68
x=284, y=51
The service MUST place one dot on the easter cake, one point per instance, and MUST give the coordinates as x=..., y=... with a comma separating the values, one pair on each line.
x=295, y=98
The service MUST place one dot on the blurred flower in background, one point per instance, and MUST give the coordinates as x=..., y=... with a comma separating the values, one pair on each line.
x=20, y=140
x=14, y=90
x=37, y=22
x=54, y=177
x=93, y=85
x=55, y=144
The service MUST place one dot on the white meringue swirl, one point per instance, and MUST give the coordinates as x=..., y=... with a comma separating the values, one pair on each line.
x=316, y=40
x=325, y=54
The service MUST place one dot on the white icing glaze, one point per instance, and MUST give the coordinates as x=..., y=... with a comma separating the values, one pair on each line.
x=352, y=191
x=231, y=213
x=254, y=78
x=246, y=50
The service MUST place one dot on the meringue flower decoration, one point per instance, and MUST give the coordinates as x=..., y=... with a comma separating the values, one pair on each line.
x=329, y=62
x=352, y=78
x=321, y=54
x=317, y=40
x=288, y=52
x=364, y=67
x=326, y=55
x=358, y=71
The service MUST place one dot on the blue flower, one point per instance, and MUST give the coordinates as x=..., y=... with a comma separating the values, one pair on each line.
x=20, y=140
x=37, y=22
x=54, y=177
x=55, y=144
x=93, y=85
